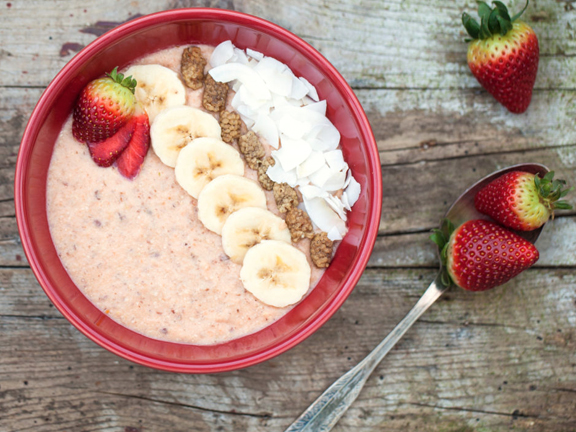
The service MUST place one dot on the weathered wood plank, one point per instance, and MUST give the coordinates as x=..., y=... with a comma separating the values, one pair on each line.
x=503, y=357
x=392, y=44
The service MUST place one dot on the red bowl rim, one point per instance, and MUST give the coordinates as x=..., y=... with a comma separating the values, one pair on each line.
x=371, y=228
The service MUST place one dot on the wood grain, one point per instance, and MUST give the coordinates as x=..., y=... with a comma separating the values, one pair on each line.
x=497, y=361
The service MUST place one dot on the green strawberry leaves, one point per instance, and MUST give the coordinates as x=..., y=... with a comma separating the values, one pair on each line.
x=128, y=82
x=551, y=191
x=442, y=238
x=492, y=21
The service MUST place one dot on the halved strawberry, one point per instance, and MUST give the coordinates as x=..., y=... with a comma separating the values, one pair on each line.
x=131, y=160
x=479, y=254
x=103, y=107
x=106, y=152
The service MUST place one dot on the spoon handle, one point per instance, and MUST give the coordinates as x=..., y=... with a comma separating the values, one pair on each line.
x=325, y=412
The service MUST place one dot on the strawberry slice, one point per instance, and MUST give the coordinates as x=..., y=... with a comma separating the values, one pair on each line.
x=131, y=160
x=106, y=152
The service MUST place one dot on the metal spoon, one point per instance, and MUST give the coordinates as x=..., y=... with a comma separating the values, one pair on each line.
x=325, y=412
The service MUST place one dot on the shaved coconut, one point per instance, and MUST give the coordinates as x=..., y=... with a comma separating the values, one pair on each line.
x=329, y=136
x=352, y=192
x=312, y=164
x=335, y=160
x=336, y=181
x=244, y=97
x=299, y=90
x=247, y=76
x=323, y=216
x=254, y=54
x=334, y=234
x=336, y=205
x=222, y=53
x=240, y=56
x=319, y=107
x=320, y=177
x=311, y=89
x=293, y=127
x=344, y=199
x=292, y=152
x=276, y=75
x=278, y=175
x=265, y=127
x=310, y=191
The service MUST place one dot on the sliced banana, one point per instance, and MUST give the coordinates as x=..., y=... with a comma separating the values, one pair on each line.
x=174, y=128
x=203, y=160
x=157, y=88
x=276, y=273
x=223, y=196
x=249, y=226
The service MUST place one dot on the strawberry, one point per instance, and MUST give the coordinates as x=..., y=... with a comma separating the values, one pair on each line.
x=131, y=160
x=106, y=152
x=480, y=254
x=104, y=106
x=503, y=55
x=522, y=201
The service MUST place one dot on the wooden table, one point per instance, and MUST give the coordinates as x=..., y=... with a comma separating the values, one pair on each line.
x=497, y=361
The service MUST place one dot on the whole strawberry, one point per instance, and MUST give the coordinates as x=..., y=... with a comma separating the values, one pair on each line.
x=503, y=55
x=522, y=201
x=479, y=254
x=103, y=107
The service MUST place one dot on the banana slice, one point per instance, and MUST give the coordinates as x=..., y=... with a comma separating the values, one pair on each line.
x=276, y=273
x=223, y=196
x=203, y=160
x=157, y=88
x=174, y=128
x=248, y=227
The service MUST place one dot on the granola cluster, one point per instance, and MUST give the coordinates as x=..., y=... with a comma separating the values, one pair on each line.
x=321, y=250
x=230, y=123
x=263, y=178
x=299, y=224
x=215, y=94
x=252, y=149
x=192, y=67
x=286, y=197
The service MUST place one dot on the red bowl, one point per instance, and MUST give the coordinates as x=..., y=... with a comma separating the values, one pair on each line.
x=123, y=45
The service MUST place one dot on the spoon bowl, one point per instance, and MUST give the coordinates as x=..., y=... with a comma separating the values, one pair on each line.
x=325, y=412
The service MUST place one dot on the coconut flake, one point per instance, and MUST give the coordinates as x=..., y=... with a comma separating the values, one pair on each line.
x=310, y=191
x=267, y=129
x=336, y=205
x=247, y=76
x=334, y=234
x=319, y=107
x=323, y=216
x=222, y=53
x=311, y=89
x=292, y=152
x=335, y=160
x=276, y=75
x=278, y=175
x=254, y=54
x=313, y=163
x=335, y=182
x=240, y=57
x=292, y=127
x=352, y=192
x=321, y=176
x=299, y=90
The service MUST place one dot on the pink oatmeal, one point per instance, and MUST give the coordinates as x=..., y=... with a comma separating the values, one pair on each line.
x=137, y=250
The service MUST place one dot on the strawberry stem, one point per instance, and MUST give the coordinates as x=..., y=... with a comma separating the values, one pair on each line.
x=551, y=191
x=442, y=238
x=492, y=21
x=128, y=82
